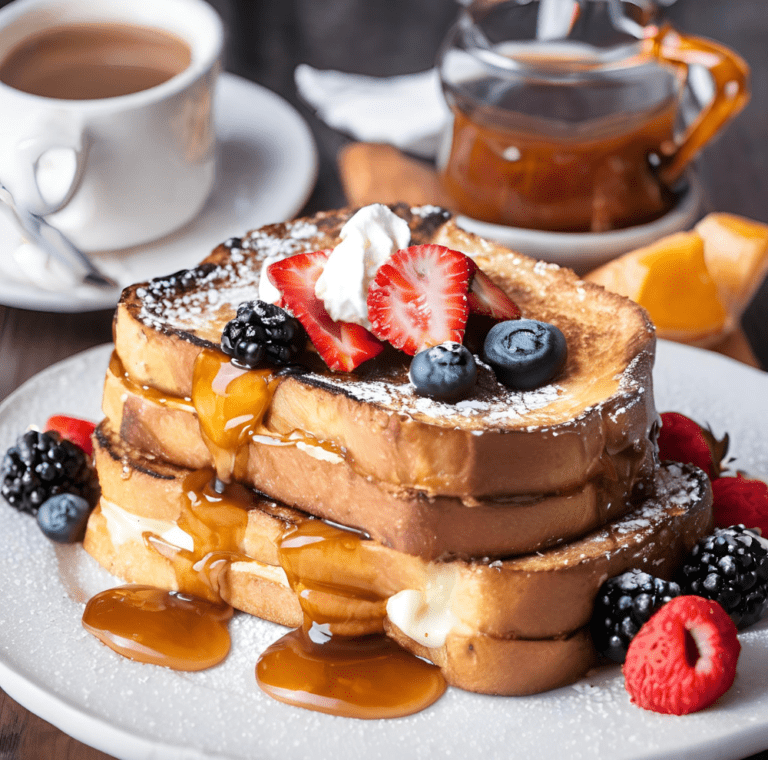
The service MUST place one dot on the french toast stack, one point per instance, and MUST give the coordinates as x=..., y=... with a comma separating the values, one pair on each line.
x=476, y=533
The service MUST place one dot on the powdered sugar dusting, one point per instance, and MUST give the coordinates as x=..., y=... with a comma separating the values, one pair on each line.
x=428, y=210
x=223, y=286
x=676, y=486
x=499, y=406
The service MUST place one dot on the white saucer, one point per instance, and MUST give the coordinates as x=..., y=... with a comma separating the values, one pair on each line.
x=583, y=251
x=267, y=169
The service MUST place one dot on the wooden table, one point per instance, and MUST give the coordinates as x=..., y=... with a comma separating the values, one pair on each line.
x=268, y=38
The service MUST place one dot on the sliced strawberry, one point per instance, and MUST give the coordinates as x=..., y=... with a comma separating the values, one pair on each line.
x=485, y=297
x=73, y=429
x=342, y=345
x=418, y=298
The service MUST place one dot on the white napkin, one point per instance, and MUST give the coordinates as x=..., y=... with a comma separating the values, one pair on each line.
x=406, y=111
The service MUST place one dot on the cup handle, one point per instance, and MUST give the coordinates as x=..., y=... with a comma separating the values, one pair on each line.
x=730, y=77
x=52, y=164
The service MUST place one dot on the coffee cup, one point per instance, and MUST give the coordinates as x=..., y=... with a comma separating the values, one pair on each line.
x=581, y=129
x=107, y=114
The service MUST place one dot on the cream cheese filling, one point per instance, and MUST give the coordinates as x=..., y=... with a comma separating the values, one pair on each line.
x=124, y=526
x=426, y=615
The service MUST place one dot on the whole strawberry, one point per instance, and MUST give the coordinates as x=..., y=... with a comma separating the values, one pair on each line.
x=683, y=658
x=683, y=440
x=741, y=501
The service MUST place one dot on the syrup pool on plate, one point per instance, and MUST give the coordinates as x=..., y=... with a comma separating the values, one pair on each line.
x=363, y=675
x=160, y=627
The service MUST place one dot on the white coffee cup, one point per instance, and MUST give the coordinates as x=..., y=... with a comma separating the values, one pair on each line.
x=113, y=172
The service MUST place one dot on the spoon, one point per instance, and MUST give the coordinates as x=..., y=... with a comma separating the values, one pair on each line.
x=55, y=243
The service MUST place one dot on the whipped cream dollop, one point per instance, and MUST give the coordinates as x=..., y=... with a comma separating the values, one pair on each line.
x=368, y=239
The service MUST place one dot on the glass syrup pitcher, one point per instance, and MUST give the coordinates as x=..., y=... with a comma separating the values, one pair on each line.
x=568, y=115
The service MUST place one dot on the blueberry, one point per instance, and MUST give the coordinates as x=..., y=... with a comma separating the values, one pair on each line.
x=446, y=372
x=63, y=517
x=525, y=353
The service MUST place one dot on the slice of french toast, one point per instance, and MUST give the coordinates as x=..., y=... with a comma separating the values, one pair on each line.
x=303, y=474
x=466, y=616
x=597, y=419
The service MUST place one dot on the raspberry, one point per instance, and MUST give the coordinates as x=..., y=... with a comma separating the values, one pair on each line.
x=683, y=658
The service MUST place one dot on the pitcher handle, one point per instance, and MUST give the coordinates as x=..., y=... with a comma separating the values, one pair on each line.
x=730, y=77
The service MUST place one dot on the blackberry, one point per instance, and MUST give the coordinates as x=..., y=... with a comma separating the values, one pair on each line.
x=262, y=331
x=42, y=465
x=731, y=568
x=624, y=603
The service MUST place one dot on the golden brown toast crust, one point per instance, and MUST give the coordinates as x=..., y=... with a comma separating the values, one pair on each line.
x=492, y=444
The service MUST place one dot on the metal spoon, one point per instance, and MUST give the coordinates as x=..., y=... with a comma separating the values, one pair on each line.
x=55, y=243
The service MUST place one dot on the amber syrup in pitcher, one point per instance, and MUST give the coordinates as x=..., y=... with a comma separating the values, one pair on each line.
x=531, y=156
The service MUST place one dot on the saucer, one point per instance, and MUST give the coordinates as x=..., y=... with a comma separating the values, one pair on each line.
x=267, y=168
x=583, y=251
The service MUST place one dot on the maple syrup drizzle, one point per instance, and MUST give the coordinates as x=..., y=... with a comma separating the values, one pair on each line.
x=168, y=628
x=146, y=391
x=227, y=426
x=216, y=520
x=230, y=402
x=339, y=661
x=188, y=629
x=314, y=667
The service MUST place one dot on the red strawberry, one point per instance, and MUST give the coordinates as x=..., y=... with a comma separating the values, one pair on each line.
x=73, y=429
x=683, y=440
x=342, y=345
x=683, y=658
x=485, y=297
x=418, y=298
x=740, y=501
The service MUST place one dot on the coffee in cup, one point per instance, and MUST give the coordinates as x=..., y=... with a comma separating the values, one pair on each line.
x=92, y=61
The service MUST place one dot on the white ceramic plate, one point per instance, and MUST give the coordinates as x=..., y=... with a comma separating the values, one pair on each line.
x=583, y=251
x=266, y=171
x=53, y=667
